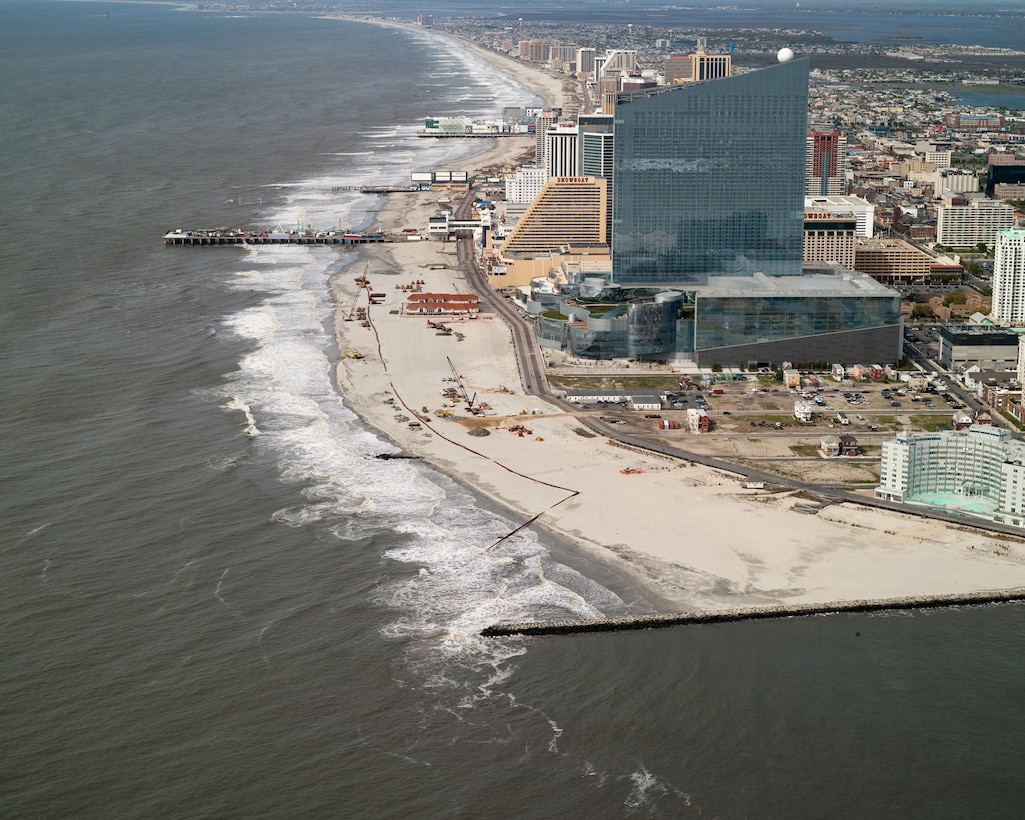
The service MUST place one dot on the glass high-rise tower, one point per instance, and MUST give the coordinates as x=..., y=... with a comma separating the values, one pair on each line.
x=710, y=178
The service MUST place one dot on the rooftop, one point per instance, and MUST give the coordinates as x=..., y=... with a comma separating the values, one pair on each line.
x=817, y=280
x=967, y=333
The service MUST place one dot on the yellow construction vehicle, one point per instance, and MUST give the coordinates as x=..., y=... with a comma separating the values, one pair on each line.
x=352, y=354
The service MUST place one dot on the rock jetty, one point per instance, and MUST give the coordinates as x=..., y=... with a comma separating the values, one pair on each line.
x=659, y=621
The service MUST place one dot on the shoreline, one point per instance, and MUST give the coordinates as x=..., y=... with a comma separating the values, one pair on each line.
x=688, y=537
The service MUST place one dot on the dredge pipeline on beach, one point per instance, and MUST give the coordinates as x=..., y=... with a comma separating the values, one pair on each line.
x=659, y=621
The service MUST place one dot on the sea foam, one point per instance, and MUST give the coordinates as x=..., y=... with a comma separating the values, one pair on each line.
x=444, y=583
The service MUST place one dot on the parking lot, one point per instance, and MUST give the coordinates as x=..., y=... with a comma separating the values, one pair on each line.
x=753, y=423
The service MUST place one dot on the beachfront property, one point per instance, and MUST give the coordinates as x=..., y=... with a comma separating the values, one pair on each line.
x=704, y=259
x=978, y=472
x=710, y=178
x=562, y=150
x=565, y=221
x=597, y=157
x=523, y=186
x=828, y=314
x=707, y=240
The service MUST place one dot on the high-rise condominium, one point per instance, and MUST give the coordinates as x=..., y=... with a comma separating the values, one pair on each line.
x=1009, y=278
x=826, y=163
x=544, y=120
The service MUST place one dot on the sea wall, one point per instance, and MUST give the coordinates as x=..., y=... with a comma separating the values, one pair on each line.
x=658, y=621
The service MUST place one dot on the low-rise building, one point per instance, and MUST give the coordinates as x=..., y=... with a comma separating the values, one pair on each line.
x=646, y=402
x=829, y=446
x=829, y=313
x=1001, y=396
x=697, y=420
x=436, y=304
x=895, y=261
x=987, y=346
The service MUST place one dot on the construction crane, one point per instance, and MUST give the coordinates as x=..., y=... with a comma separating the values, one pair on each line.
x=361, y=282
x=352, y=307
x=459, y=384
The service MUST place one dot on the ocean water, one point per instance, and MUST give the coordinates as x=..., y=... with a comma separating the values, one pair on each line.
x=217, y=602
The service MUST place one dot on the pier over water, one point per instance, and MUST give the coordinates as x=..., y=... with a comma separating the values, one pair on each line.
x=229, y=237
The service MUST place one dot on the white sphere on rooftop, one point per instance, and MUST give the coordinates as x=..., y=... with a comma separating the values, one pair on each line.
x=785, y=55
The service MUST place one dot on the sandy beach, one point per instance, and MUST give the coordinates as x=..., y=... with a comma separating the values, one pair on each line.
x=691, y=537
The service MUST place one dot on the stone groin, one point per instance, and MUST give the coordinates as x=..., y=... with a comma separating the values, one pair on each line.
x=713, y=616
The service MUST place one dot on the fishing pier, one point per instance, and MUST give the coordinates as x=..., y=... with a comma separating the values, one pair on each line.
x=224, y=236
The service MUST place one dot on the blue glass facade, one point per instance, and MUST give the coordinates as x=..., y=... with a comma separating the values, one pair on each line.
x=840, y=317
x=725, y=321
x=710, y=178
